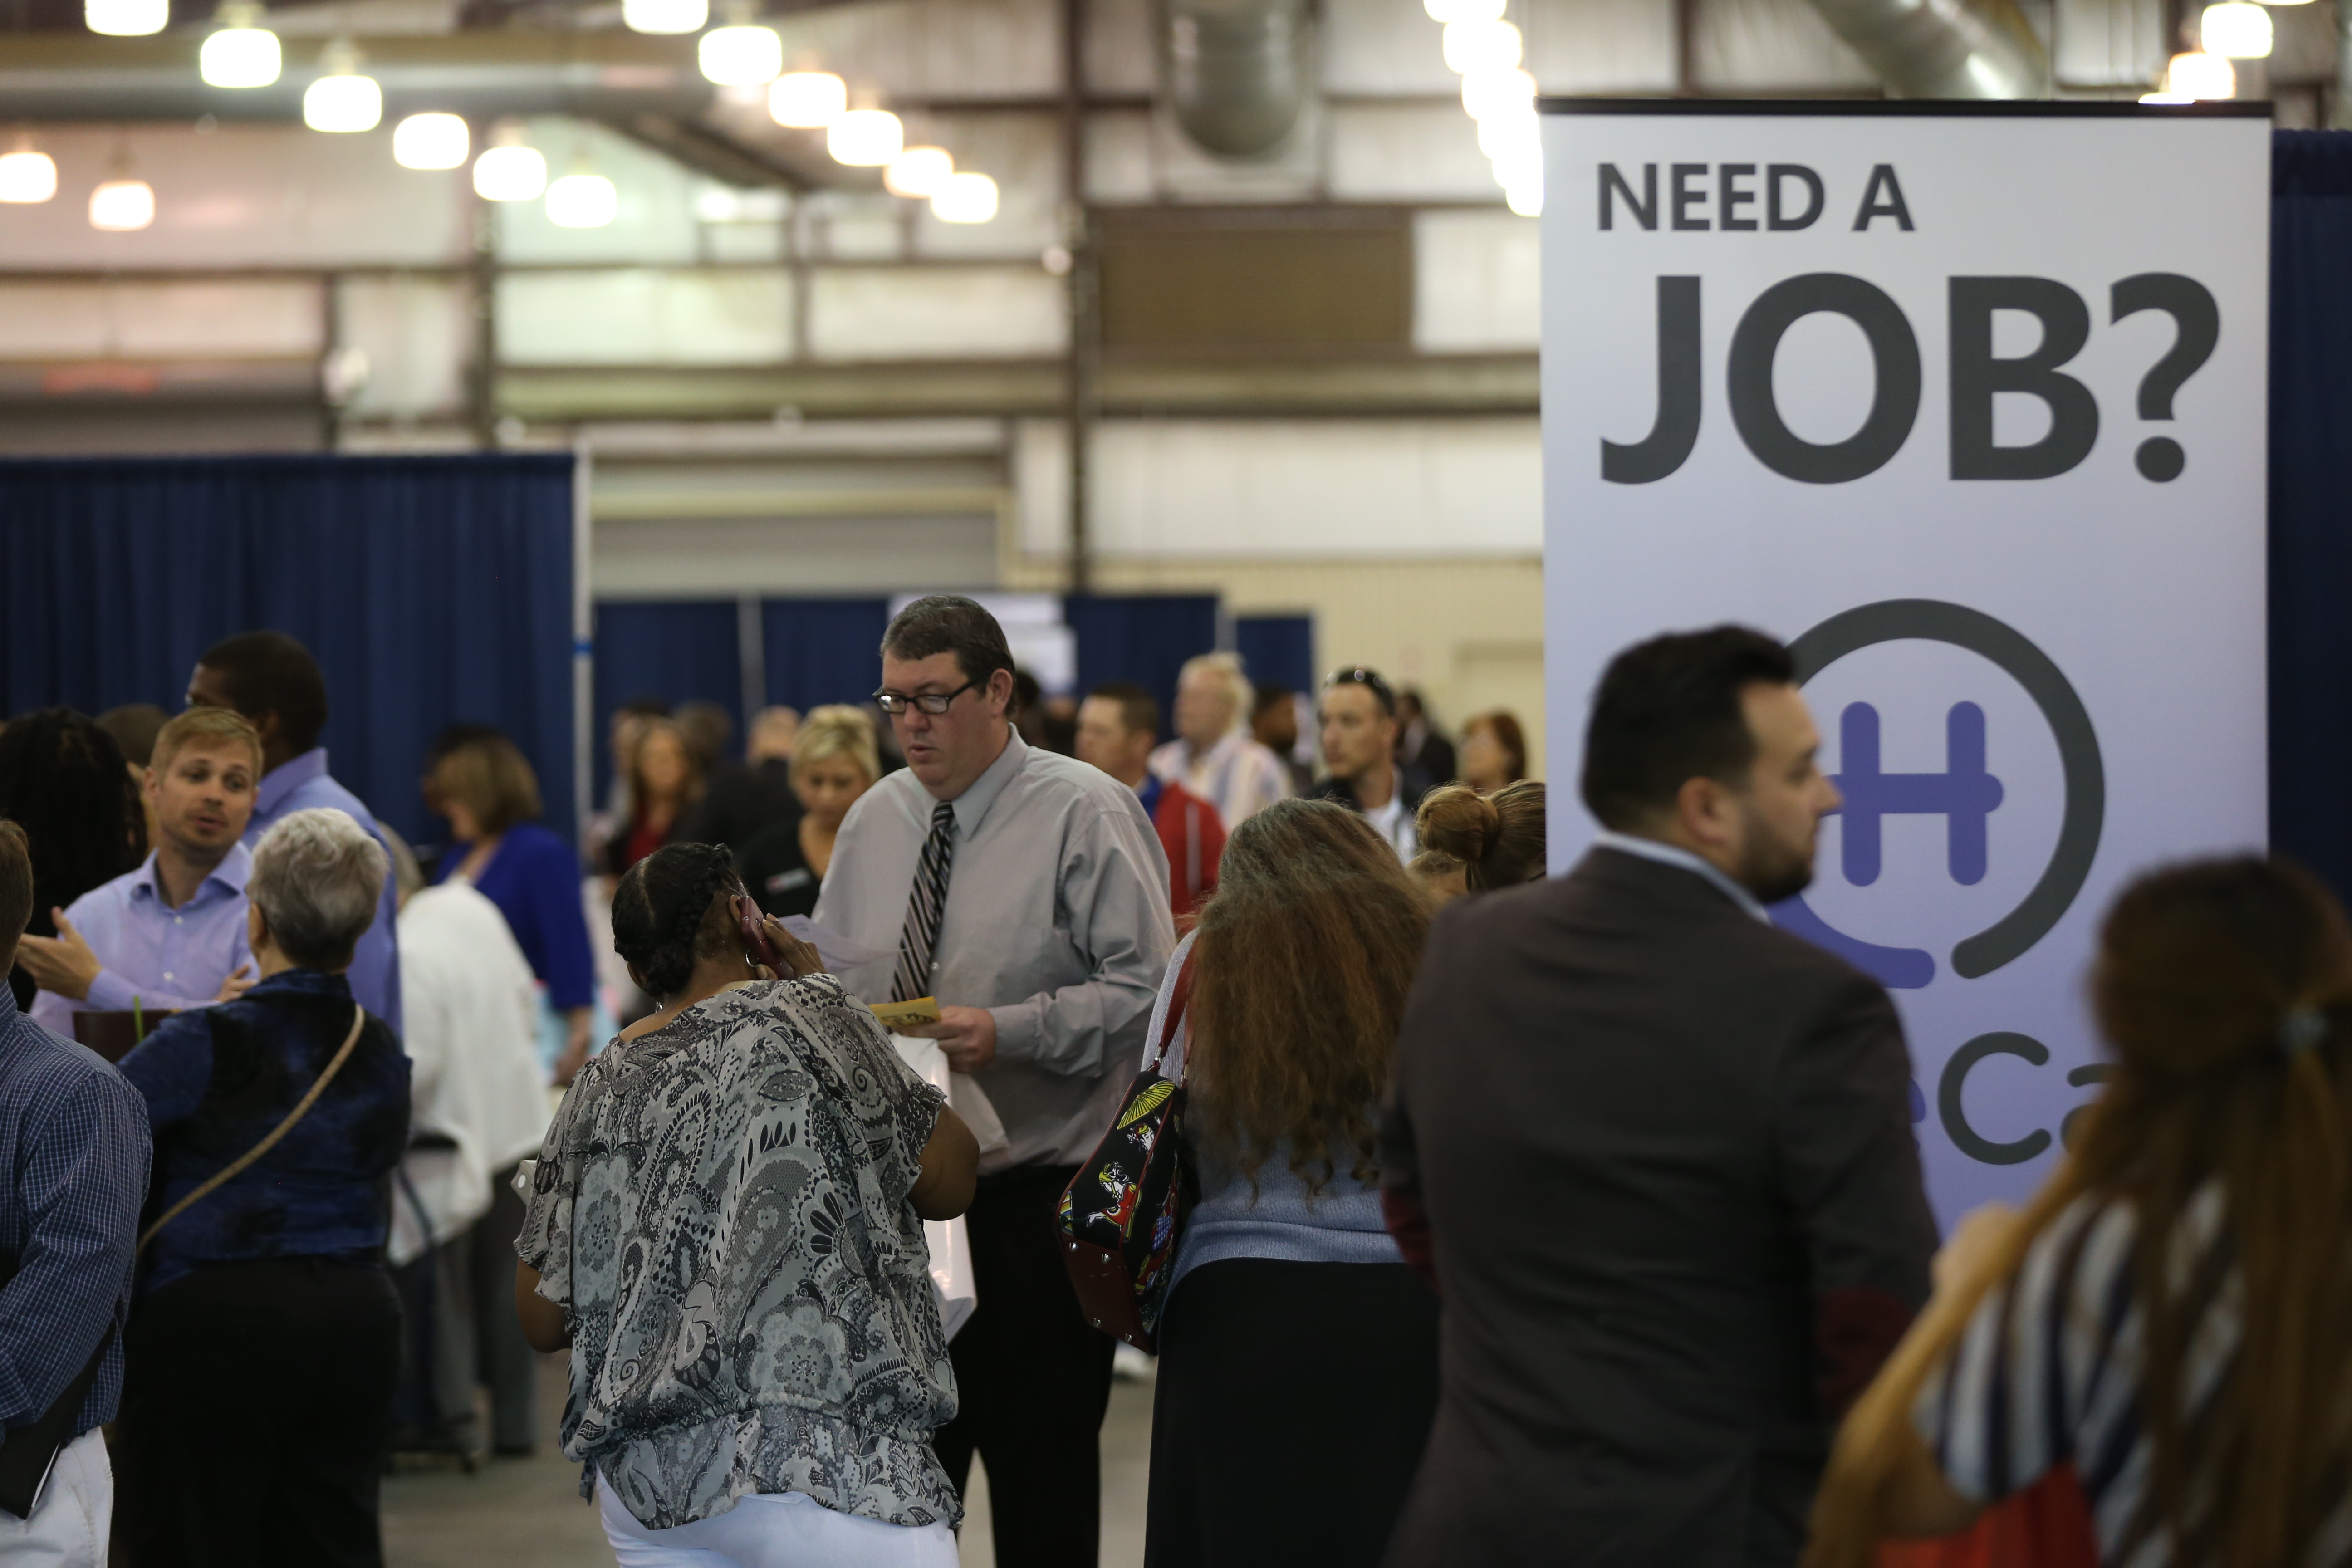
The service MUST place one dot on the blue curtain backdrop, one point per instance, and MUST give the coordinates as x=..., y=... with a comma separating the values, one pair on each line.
x=431, y=590
x=680, y=650
x=1278, y=650
x=1141, y=638
x=2311, y=500
x=815, y=651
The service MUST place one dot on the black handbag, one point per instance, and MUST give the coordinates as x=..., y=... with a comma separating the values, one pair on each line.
x=1123, y=1213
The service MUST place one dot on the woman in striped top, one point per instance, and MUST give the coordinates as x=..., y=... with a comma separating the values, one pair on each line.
x=2170, y=1320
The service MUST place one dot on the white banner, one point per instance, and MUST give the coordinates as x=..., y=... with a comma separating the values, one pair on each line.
x=1966, y=403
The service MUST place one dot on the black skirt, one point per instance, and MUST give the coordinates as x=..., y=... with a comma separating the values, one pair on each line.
x=1293, y=1403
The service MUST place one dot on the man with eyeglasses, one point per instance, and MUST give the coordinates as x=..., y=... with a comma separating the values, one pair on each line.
x=1028, y=893
x=1357, y=714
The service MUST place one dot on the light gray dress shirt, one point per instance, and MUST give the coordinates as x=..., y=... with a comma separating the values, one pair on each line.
x=1056, y=922
x=1674, y=854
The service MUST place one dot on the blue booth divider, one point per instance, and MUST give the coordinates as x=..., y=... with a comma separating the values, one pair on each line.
x=431, y=589
x=1278, y=650
x=1141, y=638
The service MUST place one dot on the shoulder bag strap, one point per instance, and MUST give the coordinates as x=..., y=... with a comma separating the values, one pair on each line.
x=302, y=1108
x=1176, y=1004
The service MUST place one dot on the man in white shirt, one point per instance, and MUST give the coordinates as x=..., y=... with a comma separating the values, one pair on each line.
x=1357, y=714
x=1214, y=755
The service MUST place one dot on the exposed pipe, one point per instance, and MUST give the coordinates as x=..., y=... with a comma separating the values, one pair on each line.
x=1235, y=71
x=1944, y=48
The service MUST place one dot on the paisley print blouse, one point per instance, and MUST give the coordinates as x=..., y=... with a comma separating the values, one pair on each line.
x=720, y=1207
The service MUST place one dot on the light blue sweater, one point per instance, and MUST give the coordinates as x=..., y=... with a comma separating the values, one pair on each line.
x=1341, y=1223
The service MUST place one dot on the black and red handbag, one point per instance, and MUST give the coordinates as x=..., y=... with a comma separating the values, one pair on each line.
x=1122, y=1215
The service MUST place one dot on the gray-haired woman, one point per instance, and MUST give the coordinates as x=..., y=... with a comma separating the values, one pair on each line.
x=264, y=1337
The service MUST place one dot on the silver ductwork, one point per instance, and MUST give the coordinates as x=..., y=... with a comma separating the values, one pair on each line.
x=1236, y=73
x=1944, y=48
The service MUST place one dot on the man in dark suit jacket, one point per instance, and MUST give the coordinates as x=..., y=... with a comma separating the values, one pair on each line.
x=1658, y=1151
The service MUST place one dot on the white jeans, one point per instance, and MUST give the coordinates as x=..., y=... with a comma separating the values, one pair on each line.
x=71, y=1523
x=773, y=1530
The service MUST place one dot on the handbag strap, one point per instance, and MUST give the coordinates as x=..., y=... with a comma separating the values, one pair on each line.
x=301, y=1107
x=1176, y=1004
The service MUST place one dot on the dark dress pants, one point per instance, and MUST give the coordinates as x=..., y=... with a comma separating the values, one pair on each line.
x=1033, y=1379
x=505, y=1362
x=1292, y=1406
x=254, y=1411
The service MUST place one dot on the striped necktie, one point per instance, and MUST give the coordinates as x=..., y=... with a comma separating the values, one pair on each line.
x=924, y=907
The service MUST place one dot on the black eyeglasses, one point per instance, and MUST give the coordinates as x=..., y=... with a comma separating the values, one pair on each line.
x=934, y=703
x=1357, y=674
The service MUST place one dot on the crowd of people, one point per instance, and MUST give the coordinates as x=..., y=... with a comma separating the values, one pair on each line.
x=1529, y=1220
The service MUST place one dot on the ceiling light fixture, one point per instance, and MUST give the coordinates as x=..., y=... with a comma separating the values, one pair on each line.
x=741, y=55
x=126, y=18
x=965, y=198
x=866, y=138
x=1475, y=47
x=583, y=201
x=2200, y=76
x=1498, y=94
x=1524, y=200
x=918, y=173
x=239, y=53
x=122, y=206
x=431, y=142
x=508, y=171
x=665, y=17
x=1499, y=132
x=808, y=101
x=342, y=99
x=2236, y=30
x=26, y=176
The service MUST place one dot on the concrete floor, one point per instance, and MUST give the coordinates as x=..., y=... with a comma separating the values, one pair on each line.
x=527, y=1513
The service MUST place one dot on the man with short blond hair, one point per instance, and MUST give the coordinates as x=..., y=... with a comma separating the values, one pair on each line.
x=170, y=935
x=1214, y=753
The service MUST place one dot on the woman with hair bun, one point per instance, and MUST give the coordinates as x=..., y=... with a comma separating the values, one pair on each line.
x=1473, y=844
x=726, y=1227
x=2159, y=1348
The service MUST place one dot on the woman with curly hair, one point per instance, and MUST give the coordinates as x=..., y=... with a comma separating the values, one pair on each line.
x=726, y=1227
x=1297, y=1354
x=2159, y=1348
x=63, y=781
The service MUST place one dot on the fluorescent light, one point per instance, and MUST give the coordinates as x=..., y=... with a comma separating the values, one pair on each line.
x=343, y=102
x=665, y=15
x=431, y=142
x=1498, y=94
x=27, y=176
x=965, y=198
x=510, y=173
x=2202, y=76
x=122, y=206
x=1524, y=200
x=239, y=57
x=741, y=55
x=126, y=18
x=2236, y=30
x=2173, y=97
x=1473, y=46
x=1498, y=133
x=919, y=172
x=865, y=137
x=1464, y=10
x=1518, y=167
x=718, y=204
x=583, y=201
x=808, y=101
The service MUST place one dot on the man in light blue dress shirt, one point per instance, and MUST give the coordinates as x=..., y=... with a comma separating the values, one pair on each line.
x=273, y=680
x=171, y=935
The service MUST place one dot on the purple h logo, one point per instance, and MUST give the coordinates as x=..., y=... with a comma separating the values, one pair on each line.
x=1963, y=794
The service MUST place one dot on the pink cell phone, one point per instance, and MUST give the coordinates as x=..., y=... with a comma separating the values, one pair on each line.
x=755, y=935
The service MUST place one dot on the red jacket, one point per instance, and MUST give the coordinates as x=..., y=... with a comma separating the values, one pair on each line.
x=1193, y=836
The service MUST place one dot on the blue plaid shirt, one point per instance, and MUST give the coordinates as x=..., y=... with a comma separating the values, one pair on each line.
x=74, y=1135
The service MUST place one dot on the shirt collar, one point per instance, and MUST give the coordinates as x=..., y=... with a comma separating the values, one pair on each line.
x=231, y=874
x=307, y=982
x=286, y=778
x=972, y=805
x=1663, y=854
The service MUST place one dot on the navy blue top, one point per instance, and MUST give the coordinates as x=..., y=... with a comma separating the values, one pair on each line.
x=73, y=1143
x=534, y=878
x=218, y=1079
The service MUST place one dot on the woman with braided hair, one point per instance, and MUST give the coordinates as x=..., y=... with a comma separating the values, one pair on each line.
x=726, y=1227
